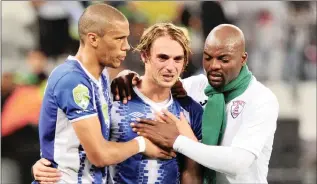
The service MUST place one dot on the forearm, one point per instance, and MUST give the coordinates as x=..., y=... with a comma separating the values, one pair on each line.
x=223, y=159
x=115, y=152
x=192, y=173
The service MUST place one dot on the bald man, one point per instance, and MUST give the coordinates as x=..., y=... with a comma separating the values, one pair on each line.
x=239, y=119
x=74, y=121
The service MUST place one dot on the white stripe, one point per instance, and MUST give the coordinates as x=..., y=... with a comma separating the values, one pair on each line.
x=83, y=117
x=93, y=95
x=152, y=167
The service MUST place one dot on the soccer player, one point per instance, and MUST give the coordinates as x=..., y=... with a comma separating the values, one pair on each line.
x=74, y=122
x=239, y=120
x=164, y=49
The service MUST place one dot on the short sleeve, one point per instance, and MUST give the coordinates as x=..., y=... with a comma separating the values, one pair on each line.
x=74, y=95
x=259, y=124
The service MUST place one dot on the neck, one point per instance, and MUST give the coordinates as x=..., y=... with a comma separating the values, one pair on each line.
x=89, y=61
x=153, y=91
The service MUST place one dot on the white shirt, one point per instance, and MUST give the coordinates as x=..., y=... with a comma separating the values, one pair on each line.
x=251, y=124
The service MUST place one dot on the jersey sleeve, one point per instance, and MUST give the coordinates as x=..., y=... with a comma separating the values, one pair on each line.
x=193, y=113
x=259, y=125
x=74, y=95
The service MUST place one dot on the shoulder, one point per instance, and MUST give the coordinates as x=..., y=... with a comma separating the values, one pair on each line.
x=262, y=94
x=190, y=105
x=72, y=79
x=200, y=79
x=66, y=74
x=258, y=99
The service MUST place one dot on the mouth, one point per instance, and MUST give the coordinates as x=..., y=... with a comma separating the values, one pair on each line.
x=121, y=58
x=168, y=77
x=215, y=79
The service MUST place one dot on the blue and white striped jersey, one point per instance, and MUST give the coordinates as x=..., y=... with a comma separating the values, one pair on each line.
x=72, y=94
x=139, y=169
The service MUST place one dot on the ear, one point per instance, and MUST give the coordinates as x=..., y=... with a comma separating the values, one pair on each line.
x=93, y=39
x=244, y=58
x=144, y=57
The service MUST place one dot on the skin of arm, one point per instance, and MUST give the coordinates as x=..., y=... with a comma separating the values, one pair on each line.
x=192, y=173
x=101, y=152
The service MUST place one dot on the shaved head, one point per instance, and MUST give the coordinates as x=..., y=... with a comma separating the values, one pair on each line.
x=229, y=35
x=97, y=19
x=224, y=54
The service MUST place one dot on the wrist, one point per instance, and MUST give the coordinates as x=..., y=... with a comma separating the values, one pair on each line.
x=141, y=143
x=179, y=141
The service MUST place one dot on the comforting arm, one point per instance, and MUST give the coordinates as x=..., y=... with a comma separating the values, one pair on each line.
x=228, y=160
x=74, y=95
x=101, y=152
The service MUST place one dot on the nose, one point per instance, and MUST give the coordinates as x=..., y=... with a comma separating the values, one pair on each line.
x=126, y=46
x=214, y=65
x=170, y=64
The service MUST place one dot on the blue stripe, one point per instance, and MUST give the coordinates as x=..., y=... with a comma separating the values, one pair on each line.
x=82, y=158
x=98, y=176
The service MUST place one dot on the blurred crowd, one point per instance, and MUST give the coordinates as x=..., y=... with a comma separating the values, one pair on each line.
x=37, y=35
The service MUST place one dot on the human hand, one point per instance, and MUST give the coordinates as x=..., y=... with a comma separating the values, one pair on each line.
x=182, y=124
x=153, y=151
x=121, y=86
x=178, y=90
x=45, y=174
x=160, y=133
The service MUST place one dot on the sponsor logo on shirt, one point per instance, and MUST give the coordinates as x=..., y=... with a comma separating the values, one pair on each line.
x=236, y=108
x=81, y=96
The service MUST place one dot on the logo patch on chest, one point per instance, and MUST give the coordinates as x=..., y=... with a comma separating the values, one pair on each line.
x=136, y=114
x=236, y=108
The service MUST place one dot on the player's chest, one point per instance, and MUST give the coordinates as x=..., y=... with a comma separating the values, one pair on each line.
x=123, y=115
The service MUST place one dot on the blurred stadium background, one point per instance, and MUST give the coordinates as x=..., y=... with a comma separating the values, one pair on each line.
x=281, y=42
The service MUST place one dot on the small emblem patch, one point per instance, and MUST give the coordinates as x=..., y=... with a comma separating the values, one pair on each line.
x=236, y=108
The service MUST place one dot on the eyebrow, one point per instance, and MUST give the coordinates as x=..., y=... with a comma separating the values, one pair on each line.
x=207, y=54
x=179, y=57
x=121, y=36
x=165, y=56
x=221, y=56
x=224, y=55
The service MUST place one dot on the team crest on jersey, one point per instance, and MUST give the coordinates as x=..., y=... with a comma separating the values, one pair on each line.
x=236, y=108
x=81, y=96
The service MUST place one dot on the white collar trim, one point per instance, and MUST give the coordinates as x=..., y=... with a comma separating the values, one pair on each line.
x=153, y=104
x=85, y=70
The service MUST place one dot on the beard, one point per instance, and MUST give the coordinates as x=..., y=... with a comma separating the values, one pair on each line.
x=215, y=79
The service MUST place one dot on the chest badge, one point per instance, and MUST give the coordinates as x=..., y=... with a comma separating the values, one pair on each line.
x=236, y=108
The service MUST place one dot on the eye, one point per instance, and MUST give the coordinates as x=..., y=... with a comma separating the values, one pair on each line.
x=207, y=57
x=163, y=57
x=120, y=38
x=179, y=59
x=225, y=60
